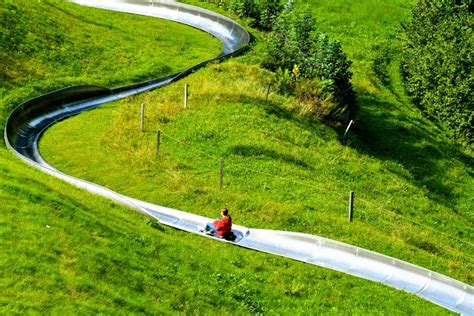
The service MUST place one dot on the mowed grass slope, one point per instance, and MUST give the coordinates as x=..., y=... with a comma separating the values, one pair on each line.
x=281, y=171
x=388, y=126
x=97, y=257
x=66, y=251
x=413, y=188
x=47, y=45
x=63, y=250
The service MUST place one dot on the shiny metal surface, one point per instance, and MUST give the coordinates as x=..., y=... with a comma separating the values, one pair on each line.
x=27, y=122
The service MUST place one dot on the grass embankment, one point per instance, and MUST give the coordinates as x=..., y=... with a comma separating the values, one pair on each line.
x=281, y=172
x=97, y=257
x=47, y=45
x=412, y=186
x=66, y=251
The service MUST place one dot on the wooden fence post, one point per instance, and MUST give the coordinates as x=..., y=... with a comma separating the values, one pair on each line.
x=185, y=95
x=142, y=118
x=158, y=143
x=351, y=205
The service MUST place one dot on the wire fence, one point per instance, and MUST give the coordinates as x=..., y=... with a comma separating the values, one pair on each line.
x=339, y=194
x=399, y=216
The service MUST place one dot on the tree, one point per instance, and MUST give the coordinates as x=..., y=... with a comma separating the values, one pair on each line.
x=244, y=8
x=268, y=11
x=437, y=63
x=322, y=67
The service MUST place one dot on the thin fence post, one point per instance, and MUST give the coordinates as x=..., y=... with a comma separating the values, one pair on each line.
x=185, y=95
x=158, y=143
x=343, y=138
x=221, y=177
x=142, y=118
x=351, y=205
x=268, y=92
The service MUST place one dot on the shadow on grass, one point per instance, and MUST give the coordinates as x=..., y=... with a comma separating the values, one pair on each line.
x=275, y=109
x=81, y=18
x=420, y=147
x=260, y=151
x=35, y=191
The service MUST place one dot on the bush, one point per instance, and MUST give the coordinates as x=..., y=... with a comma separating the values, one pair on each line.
x=316, y=100
x=262, y=12
x=315, y=62
x=437, y=63
x=333, y=67
x=244, y=8
x=268, y=11
x=291, y=42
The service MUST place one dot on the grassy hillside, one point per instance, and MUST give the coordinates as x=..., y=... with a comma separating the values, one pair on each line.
x=413, y=188
x=66, y=251
x=69, y=251
x=388, y=127
x=281, y=172
x=47, y=45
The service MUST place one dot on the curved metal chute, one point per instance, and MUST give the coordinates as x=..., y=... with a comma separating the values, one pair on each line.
x=27, y=122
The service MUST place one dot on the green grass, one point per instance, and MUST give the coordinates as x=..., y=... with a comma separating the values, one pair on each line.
x=281, y=172
x=388, y=127
x=96, y=257
x=412, y=187
x=47, y=45
x=66, y=251
x=365, y=28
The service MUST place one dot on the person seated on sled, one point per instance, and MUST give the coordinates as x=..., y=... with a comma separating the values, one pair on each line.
x=221, y=227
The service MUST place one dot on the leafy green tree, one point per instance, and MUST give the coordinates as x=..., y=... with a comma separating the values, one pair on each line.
x=437, y=63
x=333, y=66
x=291, y=42
x=244, y=8
x=268, y=11
x=322, y=66
x=262, y=12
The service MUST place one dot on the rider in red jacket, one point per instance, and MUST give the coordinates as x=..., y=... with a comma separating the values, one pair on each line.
x=223, y=226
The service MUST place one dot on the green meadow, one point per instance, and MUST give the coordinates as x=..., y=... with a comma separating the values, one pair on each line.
x=69, y=251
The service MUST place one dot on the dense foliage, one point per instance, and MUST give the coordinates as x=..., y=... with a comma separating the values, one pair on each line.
x=305, y=63
x=262, y=13
x=310, y=65
x=437, y=65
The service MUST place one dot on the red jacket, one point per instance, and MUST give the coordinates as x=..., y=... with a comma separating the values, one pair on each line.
x=223, y=225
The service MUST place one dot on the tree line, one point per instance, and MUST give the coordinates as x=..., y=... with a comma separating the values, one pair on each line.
x=437, y=63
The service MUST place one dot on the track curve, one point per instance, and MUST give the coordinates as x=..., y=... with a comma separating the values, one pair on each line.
x=27, y=122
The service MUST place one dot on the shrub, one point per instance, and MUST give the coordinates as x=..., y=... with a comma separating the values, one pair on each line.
x=437, y=63
x=291, y=42
x=315, y=99
x=244, y=8
x=333, y=67
x=262, y=12
x=322, y=67
x=268, y=11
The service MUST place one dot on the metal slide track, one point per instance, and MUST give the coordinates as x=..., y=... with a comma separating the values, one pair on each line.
x=26, y=124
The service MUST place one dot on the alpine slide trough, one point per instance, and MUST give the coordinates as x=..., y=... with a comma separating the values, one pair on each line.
x=27, y=123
